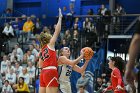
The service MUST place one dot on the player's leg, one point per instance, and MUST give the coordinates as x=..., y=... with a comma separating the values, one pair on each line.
x=51, y=90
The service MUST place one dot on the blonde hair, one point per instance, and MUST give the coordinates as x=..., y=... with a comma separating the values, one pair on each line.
x=44, y=38
x=60, y=52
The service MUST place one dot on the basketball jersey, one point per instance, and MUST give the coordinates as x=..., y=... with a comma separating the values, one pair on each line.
x=64, y=72
x=48, y=56
x=114, y=78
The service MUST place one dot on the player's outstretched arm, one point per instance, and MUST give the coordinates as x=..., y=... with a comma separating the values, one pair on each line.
x=65, y=60
x=57, y=30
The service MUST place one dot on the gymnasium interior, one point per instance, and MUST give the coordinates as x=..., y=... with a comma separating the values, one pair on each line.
x=106, y=26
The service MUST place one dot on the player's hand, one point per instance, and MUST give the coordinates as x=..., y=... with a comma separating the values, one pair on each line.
x=82, y=53
x=129, y=75
x=119, y=87
x=60, y=13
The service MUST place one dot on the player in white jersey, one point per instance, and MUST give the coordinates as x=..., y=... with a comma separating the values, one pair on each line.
x=65, y=68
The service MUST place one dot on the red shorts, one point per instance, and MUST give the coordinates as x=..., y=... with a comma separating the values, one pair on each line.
x=49, y=78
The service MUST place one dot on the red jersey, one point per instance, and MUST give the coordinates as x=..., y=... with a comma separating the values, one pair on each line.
x=116, y=79
x=48, y=56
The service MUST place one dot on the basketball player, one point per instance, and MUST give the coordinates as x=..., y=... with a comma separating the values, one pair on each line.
x=65, y=69
x=133, y=55
x=117, y=66
x=48, y=60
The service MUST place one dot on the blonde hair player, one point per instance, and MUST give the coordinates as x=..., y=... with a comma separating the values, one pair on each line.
x=48, y=60
x=65, y=69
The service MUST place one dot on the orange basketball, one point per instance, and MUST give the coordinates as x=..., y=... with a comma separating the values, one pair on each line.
x=88, y=53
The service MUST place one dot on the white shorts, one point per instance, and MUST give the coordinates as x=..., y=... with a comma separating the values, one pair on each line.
x=64, y=87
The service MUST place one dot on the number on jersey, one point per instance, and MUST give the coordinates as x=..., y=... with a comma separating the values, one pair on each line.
x=69, y=71
x=44, y=54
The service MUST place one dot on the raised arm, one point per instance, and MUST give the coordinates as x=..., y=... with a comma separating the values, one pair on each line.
x=133, y=51
x=57, y=30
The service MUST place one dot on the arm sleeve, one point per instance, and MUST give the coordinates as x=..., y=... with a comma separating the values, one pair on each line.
x=109, y=88
x=118, y=75
x=23, y=89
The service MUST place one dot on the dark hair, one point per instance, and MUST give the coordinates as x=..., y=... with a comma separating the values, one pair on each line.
x=6, y=81
x=82, y=86
x=21, y=78
x=21, y=84
x=119, y=63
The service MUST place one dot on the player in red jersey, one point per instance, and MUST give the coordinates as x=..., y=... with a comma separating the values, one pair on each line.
x=117, y=66
x=48, y=60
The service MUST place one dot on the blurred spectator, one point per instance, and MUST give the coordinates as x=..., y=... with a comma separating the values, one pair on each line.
x=4, y=65
x=19, y=52
x=46, y=29
x=14, y=57
x=25, y=75
x=82, y=90
x=102, y=10
x=31, y=72
x=8, y=30
x=117, y=19
x=77, y=24
x=21, y=23
x=67, y=36
x=30, y=57
x=104, y=76
x=119, y=10
x=82, y=81
x=63, y=44
x=75, y=44
x=7, y=13
x=37, y=26
x=72, y=12
x=28, y=28
x=64, y=11
x=11, y=77
x=18, y=69
x=90, y=12
x=25, y=59
x=87, y=25
x=36, y=45
x=15, y=26
x=98, y=84
x=9, y=67
x=22, y=87
x=7, y=87
x=33, y=50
